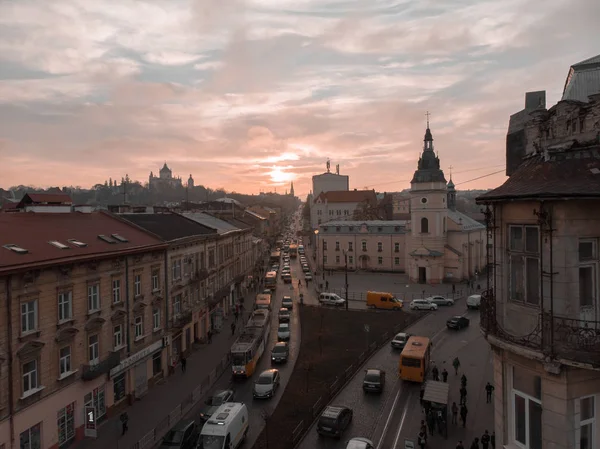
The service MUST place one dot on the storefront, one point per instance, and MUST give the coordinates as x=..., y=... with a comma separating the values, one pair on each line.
x=216, y=318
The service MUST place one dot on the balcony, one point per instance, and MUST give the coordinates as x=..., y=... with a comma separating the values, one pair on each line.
x=555, y=337
x=182, y=320
x=91, y=372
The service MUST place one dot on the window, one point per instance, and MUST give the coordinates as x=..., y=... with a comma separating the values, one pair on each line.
x=324, y=259
x=31, y=438
x=95, y=399
x=177, y=305
x=64, y=361
x=337, y=246
x=397, y=247
x=177, y=267
x=93, y=349
x=380, y=261
x=139, y=327
x=350, y=246
x=66, y=424
x=379, y=246
x=396, y=261
x=156, y=318
x=119, y=387
x=423, y=200
x=350, y=260
x=28, y=316
x=118, y=336
x=587, y=273
x=424, y=225
x=93, y=297
x=527, y=409
x=524, y=276
x=324, y=245
x=137, y=285
x=65, y=306
x=337, y=259
x=156, y=280
x=587, y=422
x=116, y=291
x=30, y=377
x=364, y=245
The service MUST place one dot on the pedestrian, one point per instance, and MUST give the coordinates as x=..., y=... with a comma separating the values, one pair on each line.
x=463, y=395
x=436, y=374
x=235, y=314
x=489, y=388
x=421, y=439
x=463, y=414
x=475, y=443
x=463, y=381
x=326, y=285
x=459, y=445
x=124, y=422
x=209, y=336
x=299, y=283
x=453, y=289
x=445, y=375
x=493, y=440
x=421, y=394
x=456, y=365
x=431, y=422
x=485, y=440
x=454, y=413
x=183, y=364
x=233, y=328
x=423, y=429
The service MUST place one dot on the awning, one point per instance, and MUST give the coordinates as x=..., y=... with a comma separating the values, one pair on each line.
x=436, y=392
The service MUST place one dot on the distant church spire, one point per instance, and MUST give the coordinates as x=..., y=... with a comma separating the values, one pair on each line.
x=292, y=189
x=428, y=139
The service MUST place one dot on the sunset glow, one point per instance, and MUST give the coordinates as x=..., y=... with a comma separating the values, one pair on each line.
x=279, y=176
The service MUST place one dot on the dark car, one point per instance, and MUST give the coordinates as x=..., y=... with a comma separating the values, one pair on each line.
x=280, y=352
x=183, y=436
x=287, y=302
x=214, y=402
x=457, y=322
x=399, y=340
x=374, y=381
x=334, y=420
x=284, y=315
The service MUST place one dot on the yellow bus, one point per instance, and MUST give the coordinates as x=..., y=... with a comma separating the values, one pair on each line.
x=414, y=360
x=271, y=280
x=246, y=352
x=263, y=301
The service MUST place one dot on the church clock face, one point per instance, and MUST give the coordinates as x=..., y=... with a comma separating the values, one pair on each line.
x=423, y=200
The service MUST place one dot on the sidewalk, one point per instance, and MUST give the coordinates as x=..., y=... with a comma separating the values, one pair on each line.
x=153, y=408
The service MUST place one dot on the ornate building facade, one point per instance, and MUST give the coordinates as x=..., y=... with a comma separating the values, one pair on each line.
x=165, y=179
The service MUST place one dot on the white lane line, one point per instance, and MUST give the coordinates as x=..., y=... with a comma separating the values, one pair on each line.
x=402, y=421
x=389, y=418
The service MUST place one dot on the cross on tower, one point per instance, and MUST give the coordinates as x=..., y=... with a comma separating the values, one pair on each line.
x=451, y=167
x=427, y=114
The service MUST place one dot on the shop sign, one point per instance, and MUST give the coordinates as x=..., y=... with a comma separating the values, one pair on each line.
x=135, y=358
x=90, y=422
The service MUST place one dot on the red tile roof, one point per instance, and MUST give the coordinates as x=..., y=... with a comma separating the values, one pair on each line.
x=49, y=198
x=33, y=231
x=573, y=173
x=348, y=196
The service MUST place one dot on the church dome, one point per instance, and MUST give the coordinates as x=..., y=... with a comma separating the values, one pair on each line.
x=451, y=185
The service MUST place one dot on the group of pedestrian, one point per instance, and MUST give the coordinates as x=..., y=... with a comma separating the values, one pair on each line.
x=486, y=441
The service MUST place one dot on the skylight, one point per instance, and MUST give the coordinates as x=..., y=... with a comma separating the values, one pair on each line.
x=106, y=238
x=77, y=243
x=58, y=244
x=16, y=249
x=120, y=238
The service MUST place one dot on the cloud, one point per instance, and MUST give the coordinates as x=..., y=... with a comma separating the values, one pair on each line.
x=249, y=94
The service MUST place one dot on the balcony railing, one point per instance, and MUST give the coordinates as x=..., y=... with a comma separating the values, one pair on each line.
x=181, y=320
x=91, y=372
x=554, y=336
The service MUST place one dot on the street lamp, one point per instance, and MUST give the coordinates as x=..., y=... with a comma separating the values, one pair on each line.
x=346, y=275
x=322, y=254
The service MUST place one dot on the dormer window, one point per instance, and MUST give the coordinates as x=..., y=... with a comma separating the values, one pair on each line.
x=107, y=239
x=16, y=249
x=58, y=244
x=77, y=243
x=120, y=238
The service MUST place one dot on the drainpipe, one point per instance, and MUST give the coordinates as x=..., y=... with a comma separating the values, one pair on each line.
x=11, y=412
x=166, y=284
x=551, y=236
x=127, y=305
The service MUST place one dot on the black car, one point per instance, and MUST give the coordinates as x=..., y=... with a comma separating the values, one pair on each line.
x=374, y=381
x=457, y=322
x=399, y=340
x=284, y=315
x=334, y=420
x=183, y=436
x=280, y=352
x=214, y=402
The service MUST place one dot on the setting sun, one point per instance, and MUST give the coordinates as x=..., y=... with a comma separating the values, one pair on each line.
x=278, y=175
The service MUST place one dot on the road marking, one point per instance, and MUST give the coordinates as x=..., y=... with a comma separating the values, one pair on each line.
x=402, y=421
x=389, y=418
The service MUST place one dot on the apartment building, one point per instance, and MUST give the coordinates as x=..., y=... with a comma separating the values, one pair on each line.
x=81, y=295
x=340, y=205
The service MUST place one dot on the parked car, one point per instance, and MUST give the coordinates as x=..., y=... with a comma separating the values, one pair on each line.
x=334, y=420
x=308, y=276
x=287, y=278
x=305, y=268
x=283, y=332
x=441, y=301
x=280, y=352
x=214, y=402
x=266, y=385
x=457, y=322
x=360, y=443
x=422, y=304
x=399, y=340
x=473, y=301
x=331, y=299
x=374, y=381
x=287, y=302
x=184, y=435
x=283, y=315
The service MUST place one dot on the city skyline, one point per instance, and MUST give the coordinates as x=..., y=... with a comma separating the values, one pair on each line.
x=251, y=95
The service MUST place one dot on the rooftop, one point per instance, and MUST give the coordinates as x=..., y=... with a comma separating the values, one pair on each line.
x=379, y=223
x=44, y=239
x=583, y=80
x=45, y=198
x=169, y=226
x=348, y=196
x=467, y=223
x=211, y=221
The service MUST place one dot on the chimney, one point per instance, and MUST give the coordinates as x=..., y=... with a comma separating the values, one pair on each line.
x=337, y=169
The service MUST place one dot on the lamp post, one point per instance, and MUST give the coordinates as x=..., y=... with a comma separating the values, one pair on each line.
x=346, y=275
x=316, y=248
x=323, y=257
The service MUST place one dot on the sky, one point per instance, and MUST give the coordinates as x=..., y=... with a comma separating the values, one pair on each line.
x=249, y=95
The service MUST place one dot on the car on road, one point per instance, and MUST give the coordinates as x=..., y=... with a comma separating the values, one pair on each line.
x=287, y=278
x=184, y=435
x=308, y=276
x=399, y=340
x=266, y=385
x=441, y=301
x=214, y=402
x=305, y=268
x=457, y=322
x=334, y=420
x=283, y=332
x=266, y=291
x=422, y=304
x=473, y=301
x=331, y=299
x=280, y=352
x=287, y=302
x=360, y=443
x=284, y=315
x=374, y=381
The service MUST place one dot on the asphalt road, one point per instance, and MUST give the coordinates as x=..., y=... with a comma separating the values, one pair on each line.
x=372, y=413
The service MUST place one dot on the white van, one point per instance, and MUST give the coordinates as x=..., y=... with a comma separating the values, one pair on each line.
x=227, y=428
x=331, y=299
x=473, y=301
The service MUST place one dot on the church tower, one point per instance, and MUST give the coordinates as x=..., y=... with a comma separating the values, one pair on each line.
x=292, y=189
x=426, y=241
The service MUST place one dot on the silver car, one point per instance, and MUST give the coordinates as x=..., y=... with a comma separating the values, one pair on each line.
x=283, y=332
x=266, y=385
x=441, y=301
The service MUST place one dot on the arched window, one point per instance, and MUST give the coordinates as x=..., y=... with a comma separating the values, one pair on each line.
x=424, y=225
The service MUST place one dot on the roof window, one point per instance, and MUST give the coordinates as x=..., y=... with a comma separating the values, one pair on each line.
x=58, y=244
x=16, y=249
x=77, y=243
x=106, y=238
x=120, y=238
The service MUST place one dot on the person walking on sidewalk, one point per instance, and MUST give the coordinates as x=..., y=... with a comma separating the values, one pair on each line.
x=475, y=443
x=431, y=422
x=424, y=429
x=454, y=413
x=233, y=328
x=436, y=373
x=445, y=375
x=456, y=365
x=489, y=388
x=463, y=395
x=459, y=445
x=493, y=440
x=463, y=415
x=124, y=422
x=326, y=285
x=209, y=336
x=299, y=283
x=183, y=364
x=485, y=440
x=421, y=394
x=422, y=440
x=463, y=381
